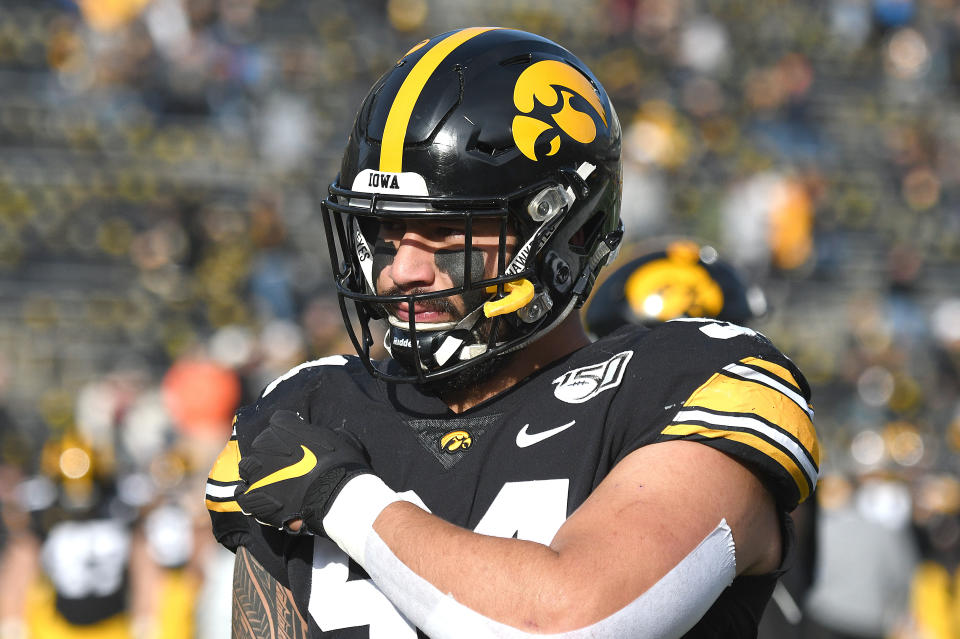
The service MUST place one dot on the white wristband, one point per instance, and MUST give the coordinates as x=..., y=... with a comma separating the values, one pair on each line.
x=349, y=522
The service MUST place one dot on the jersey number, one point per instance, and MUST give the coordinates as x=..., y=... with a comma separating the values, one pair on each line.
x=86, y=558
x=530, y=510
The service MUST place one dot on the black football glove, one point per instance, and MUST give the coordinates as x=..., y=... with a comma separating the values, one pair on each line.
x=294, y=470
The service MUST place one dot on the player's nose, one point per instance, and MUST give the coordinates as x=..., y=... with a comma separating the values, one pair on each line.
x=414, y=265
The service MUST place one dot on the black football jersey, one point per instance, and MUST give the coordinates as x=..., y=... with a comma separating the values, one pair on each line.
x=85, y=555
x=518, y=464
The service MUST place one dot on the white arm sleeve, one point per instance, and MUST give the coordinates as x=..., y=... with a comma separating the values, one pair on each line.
x=666, y=610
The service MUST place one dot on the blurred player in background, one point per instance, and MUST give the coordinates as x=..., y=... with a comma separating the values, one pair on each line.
x=682, y=279
x=87, y=560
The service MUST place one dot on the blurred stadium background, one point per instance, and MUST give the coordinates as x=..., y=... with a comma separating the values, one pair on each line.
x=161, y=256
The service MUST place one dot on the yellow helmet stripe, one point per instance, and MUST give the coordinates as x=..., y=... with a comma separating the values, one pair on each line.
x=395, y=130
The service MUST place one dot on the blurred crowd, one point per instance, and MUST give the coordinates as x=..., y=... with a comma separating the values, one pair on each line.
x=162, y=259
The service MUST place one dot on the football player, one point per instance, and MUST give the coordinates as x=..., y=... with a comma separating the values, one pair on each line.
x=87, y=566
x=499, y=474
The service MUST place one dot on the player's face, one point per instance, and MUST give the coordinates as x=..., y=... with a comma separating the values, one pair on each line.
x=419, y=256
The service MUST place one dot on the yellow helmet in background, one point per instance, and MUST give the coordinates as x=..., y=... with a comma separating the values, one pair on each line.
x=684, y=279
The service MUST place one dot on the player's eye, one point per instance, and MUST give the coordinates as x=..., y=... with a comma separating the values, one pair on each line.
x=450, y=232
x=391, y=228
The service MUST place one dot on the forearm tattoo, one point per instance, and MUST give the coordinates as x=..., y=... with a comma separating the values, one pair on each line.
x=262, y=608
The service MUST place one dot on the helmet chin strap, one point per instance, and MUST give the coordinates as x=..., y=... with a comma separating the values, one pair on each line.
x=438, y=342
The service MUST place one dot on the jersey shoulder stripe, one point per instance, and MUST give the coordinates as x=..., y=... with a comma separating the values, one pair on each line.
x=765, y=438
x=764, y=398
x=756, y=423
x=224, y=477
x=772, y=367
x=780, y=383
x=756, y=410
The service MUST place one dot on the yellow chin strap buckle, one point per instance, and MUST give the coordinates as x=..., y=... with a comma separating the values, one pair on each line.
x=519, y=294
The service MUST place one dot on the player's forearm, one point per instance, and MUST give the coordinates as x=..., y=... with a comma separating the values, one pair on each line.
x=262, y=608
x=509, y=599
x=593, y=577
x=520, y=583
x=19, y=564
x=508, y=581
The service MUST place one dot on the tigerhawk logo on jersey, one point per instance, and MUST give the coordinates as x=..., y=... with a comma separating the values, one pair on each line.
x=552, y=82
x=456, y=440
x=585, y=383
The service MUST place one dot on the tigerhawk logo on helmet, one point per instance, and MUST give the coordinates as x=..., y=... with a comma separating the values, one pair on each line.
x=479, y=123
x=538, y=83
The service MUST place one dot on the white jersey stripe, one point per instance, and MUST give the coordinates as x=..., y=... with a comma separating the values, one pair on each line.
x=750, y=423
x=219, y=492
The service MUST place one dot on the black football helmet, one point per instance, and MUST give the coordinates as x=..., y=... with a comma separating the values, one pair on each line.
x=684, y=279
x=478, y=123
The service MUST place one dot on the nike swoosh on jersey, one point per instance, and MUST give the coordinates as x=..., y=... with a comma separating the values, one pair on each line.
x=301, y=468
x=525, y=439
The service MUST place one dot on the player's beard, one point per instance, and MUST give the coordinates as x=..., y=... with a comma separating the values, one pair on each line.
x=469, y=377
x=479, y=371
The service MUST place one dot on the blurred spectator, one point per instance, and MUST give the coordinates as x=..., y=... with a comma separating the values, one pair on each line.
x=867, y=557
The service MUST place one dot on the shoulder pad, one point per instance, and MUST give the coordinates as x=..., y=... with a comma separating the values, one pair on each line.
x=230, y=526
x=754, y=406
x=303, y=375
x=292, y=391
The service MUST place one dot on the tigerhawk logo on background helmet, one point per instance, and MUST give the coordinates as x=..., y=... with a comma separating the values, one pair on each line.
x=539, y=83
x=674, y=286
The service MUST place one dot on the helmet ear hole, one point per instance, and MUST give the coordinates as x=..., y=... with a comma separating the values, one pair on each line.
x=581, y=239
x=370, y=228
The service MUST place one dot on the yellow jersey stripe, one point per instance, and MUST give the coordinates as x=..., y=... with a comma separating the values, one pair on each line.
x=225, y=468
x=223, y=506
x=221, y=492
x=751, y=440
x=774, y=368
x=748, y=422
x=732, y=395
x=754, y=375
x=395, y=129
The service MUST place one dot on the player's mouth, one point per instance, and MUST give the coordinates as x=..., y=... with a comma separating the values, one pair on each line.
x=422, y=313
x=433, y=312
